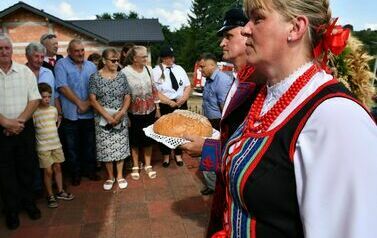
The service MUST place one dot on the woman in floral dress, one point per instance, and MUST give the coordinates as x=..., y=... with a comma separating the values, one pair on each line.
x=144, y=107
x=109, y=96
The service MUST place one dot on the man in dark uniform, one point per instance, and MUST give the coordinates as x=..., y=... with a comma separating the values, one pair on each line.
x=50, y=42
x=236, y=107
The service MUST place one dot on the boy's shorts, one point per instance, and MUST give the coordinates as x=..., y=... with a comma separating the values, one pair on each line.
x=47, y=158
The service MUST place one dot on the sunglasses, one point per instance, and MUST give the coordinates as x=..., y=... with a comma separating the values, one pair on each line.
x=47, y=36
x=113, y=60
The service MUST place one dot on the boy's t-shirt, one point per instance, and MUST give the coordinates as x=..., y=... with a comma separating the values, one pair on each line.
x=46, y=131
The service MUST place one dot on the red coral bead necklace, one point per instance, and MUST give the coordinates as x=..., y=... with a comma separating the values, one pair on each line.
x=265, y=121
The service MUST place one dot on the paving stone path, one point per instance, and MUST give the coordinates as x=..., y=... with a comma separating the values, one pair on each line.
x=168, y=206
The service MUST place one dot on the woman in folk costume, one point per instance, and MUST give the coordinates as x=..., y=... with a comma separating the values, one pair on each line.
x=303, y=163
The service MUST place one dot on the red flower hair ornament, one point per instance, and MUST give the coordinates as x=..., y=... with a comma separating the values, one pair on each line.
x=334, y=40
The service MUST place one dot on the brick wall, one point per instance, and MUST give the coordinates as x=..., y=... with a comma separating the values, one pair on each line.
x=24, y=27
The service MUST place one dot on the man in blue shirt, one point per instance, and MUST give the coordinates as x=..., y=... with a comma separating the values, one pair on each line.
x=215, y=91
x=72, y=79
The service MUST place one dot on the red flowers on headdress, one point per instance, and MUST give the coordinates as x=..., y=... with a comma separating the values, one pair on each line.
x=334, y=40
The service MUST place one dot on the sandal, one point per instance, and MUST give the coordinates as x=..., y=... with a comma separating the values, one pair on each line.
x=122, y=183
x=151, y=174
x=108, y=185
x=135, y=173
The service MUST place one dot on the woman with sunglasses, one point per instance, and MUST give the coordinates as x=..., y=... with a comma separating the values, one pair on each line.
x=144, y=108
x=109, y=95
x=303, y=162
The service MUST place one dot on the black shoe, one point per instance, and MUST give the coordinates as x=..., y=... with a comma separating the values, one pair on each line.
x=94, y=177
x=12, y=221
x=76, y=181
x=179, y=162
x=165, y=164
x=33, y=211
x=207, y=191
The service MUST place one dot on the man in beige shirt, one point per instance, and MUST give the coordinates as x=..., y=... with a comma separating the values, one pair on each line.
x=19, y=97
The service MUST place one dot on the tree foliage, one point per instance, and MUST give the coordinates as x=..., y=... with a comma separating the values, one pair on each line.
x=369, y=39
x=189, y=41
x=117, y=16
x=199, y=35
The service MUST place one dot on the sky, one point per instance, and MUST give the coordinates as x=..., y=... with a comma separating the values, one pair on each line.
x=360, y=13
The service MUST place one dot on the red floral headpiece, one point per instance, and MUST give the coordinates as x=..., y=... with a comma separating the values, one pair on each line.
x=334, y=40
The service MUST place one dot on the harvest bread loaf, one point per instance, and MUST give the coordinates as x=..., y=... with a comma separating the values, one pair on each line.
x=183, y=122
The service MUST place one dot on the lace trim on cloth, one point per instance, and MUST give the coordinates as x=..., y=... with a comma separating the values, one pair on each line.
x=275, y=91
x=172, y=142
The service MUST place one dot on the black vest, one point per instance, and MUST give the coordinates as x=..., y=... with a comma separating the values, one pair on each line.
x=51, y=67
x=270, y=190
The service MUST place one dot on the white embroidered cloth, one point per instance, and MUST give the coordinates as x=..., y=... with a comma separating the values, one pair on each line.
x=172, y=142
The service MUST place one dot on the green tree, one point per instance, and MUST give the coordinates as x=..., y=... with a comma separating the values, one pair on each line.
x=133, y=15
x=189, y=41
x=104, y=16
x=369, y=39
x=118, y=16
x=205, y=19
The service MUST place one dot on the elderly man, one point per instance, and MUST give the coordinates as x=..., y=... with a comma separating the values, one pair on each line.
x=72, y=79
x=50, y=58
x=234, y=51
x=246, y=84
x=214, y=93
x=35, y=53
x=50, y=42
x=19, y=97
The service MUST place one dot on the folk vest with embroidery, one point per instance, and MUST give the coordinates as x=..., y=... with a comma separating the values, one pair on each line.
x=261, y=185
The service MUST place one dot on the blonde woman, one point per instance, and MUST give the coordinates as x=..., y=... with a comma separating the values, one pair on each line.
x=144, y=108
x=303, y=162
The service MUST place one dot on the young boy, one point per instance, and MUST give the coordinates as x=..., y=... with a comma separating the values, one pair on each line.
x=49, y=148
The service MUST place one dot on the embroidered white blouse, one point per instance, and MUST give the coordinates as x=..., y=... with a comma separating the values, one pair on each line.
x=335, y=163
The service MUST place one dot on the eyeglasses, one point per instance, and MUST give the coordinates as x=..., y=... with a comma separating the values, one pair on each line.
x=47, y=36
x=113, y=60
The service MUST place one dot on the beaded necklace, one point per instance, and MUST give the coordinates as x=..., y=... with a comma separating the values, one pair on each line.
x=265, y=121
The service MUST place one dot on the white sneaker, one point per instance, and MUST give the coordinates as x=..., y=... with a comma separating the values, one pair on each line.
x=122, y=183
x=108, y=185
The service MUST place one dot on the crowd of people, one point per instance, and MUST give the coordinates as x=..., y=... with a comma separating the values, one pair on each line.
x=79, y=112
x=296, y=155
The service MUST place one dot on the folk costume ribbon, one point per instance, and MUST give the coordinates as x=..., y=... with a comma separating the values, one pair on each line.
x=334, y=40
